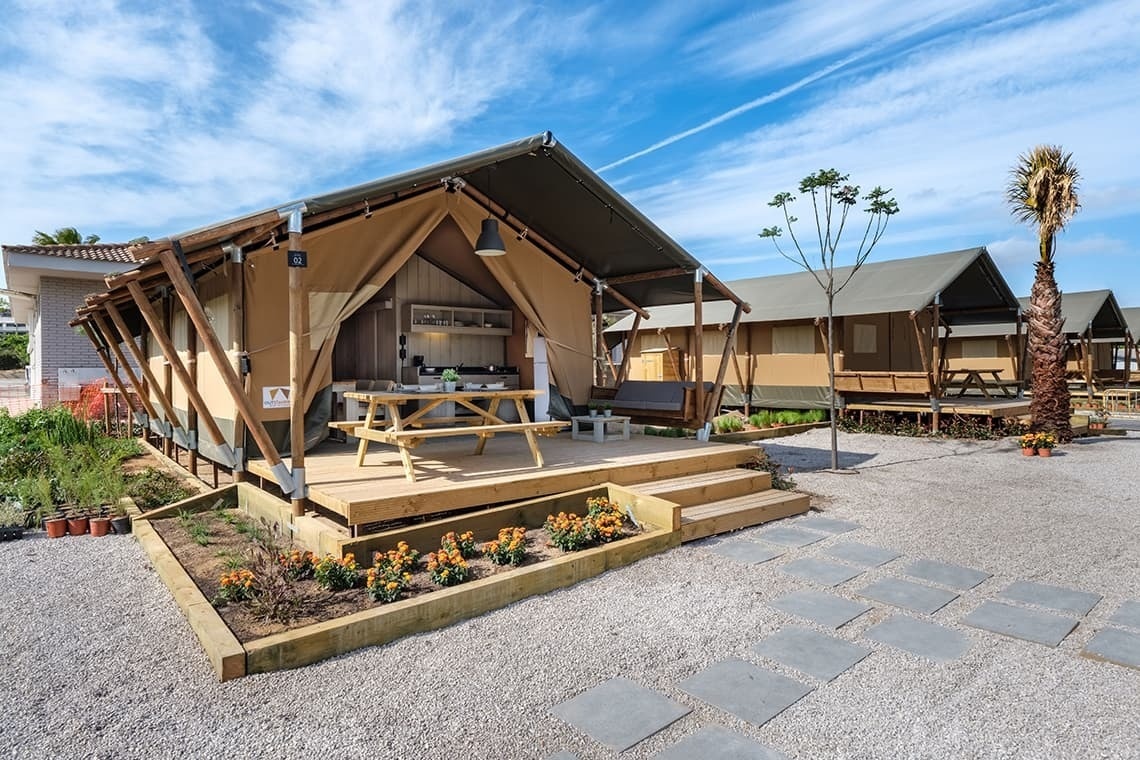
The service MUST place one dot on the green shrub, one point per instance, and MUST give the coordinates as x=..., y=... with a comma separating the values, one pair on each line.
x=728, y=423
x=154, y=488
x=11, y=360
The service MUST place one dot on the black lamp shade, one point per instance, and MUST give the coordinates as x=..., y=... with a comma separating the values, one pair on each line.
x=490, y=243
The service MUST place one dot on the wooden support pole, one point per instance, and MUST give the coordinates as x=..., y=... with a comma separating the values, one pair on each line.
x=751, y=373
x=921, y=348
x=298, y=331
x=630, y=342
x=936, y=363
x=111, y=372
x=237, y=305
x=192, y=370
x=167, y=371
x=722, y=370
x=230, y=378
x=179, y=369
x=672, y=353
x=745, y=388
x=113, y=342
x=599, y=341
x=144, y=366
x=1128, y=345
x=1088, y=365
x=698, y=344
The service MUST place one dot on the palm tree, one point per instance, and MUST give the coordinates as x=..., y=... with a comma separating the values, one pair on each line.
x=64, y=236
x=1042, y=191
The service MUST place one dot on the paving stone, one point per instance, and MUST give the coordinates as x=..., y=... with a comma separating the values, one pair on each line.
x=808, y=651
x=826, y=524
x=1054, y=597
x=1128, y=614
x=748, y=552
x=945, y=574
x=619, y=713
x=863, y=555
x=788, y=536
x=1020, y=623
x=718, y=743
x=563, y=755
x=749, y=692
x=925, y=639
x=821, y=571
x=820, y=607
x=1116, y=646
x=910, y=596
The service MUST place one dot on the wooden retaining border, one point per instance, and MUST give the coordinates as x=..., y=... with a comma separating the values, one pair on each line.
x=744, y=436
x=659, y=519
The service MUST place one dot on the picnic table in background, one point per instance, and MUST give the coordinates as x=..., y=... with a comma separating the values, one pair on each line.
x=976, y=378
x=406, y=433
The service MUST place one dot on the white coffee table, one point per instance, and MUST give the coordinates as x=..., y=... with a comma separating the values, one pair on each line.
x=598, y=432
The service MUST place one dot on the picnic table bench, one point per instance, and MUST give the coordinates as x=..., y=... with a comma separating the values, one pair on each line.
x=406, y=433
x=973, y=379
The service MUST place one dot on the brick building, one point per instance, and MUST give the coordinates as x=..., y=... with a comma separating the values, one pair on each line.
x=45, y=283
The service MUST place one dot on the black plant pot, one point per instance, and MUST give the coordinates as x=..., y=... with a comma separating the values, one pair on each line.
x=121, y=525
x=11, y=532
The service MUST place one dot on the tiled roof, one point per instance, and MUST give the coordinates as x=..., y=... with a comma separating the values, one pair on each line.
x=117, y=253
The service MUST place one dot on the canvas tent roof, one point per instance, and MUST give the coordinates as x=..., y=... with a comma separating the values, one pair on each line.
x=1097, y=308
x=1132, y=319
x=538, y=188
x=967, y=282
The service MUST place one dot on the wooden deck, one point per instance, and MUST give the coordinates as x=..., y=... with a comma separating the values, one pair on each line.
x=955, y=405
x=449, y=476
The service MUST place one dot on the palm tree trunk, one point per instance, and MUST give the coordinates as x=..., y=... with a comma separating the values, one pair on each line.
x=1048, y=346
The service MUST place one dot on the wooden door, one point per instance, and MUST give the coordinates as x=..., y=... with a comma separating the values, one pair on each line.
x=652, y=365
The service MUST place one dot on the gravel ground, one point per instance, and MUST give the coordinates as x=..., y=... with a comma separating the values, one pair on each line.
x=99, y=662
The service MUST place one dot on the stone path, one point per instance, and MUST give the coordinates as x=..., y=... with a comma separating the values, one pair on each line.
x=620, y=713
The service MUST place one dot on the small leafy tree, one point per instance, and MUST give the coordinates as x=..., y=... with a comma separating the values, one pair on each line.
x=832, y=200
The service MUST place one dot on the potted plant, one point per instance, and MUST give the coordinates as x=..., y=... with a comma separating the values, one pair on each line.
x=11, y=520
x=1028, y=444
x=107, y=495
x=1098, y=420
x=1045, y=443
x=592, y=408
x=120, y=520
x=449, y=377
x=607, y=408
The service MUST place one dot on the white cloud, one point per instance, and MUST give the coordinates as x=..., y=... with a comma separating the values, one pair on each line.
x=940, y=126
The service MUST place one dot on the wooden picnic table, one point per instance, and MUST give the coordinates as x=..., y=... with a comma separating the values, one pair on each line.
x=974, y=378
x=405, y=433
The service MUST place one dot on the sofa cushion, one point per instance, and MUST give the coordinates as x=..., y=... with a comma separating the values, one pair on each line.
x=661, y=395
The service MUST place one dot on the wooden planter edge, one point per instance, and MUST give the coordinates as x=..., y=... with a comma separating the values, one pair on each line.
x=312, y=643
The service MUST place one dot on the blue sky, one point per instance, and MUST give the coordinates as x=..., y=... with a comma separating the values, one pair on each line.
x=140, y=118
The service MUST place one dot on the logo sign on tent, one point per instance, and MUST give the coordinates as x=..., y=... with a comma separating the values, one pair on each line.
x=275, y=397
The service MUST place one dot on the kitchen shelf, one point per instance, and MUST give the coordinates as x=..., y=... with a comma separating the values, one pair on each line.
x=461, y=320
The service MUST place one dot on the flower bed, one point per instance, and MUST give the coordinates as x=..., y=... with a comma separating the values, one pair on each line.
x=402, y=593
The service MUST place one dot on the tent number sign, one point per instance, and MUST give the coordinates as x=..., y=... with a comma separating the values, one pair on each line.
x=298, y=259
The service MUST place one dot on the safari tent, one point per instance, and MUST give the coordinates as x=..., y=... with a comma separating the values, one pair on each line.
x=891, y=323
x=1094, y=325
x=241, y=331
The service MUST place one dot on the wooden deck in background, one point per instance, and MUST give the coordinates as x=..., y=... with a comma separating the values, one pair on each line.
x=449, y=476
x=962, y=405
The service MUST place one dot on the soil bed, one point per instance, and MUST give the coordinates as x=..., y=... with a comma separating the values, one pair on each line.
x=227, y=545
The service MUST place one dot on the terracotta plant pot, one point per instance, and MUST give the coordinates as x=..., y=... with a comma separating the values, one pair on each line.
x=77, y=526
x=121, y=525
x=56, y=527
x=1044, y=452
x=100, y=526
x=1028, y=451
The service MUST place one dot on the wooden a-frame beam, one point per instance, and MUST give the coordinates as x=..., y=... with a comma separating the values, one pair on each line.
x=113, y=342
x=722, y=370
x=627, y=352
x=144, y=365
x=103, y=357
x=230, y=379
x=175, y=361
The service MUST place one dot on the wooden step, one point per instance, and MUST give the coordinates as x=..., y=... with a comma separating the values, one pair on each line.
x=740, y=512
x=707, y=487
